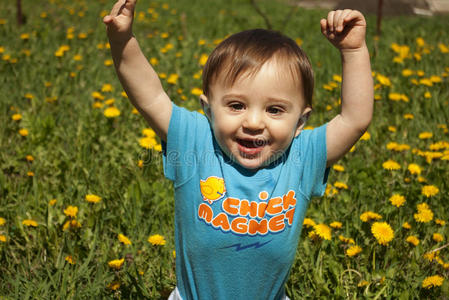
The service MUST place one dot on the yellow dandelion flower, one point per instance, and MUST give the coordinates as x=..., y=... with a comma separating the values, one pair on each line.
x=392, y=128
x=382, y=232
x=113, y=286
x=425, y=135
x=369, y=215
x=109, y=101
x=97, y=104
x=409, y=116
x=391, y=165
x=154, y=61
x=97, y=96
x=29, y=222
x=430, y=256
x=366, y=136
x=92, y=198
x=432, y=281
x=406, y=225
x=353, y=250
x=383, y=80
x=443, y=48
x=148, y=132
x=397, y=200
x=148, y=142
x=323, y=231
x=196, y=91
x=116, y=264
x=338, y=168
x=203, y=59
x=437, y=237
x=16, y=117
x=308, y=222
x=70, y=259
x=346, y=240
x=394, y=96
x=156, y=239
x=158, y=148
x=30, y=174
x=424, y=214
x=414, y=169
x=172, y=79
x=340, y=185
x=111, y=112
x=427, y=95
x=336, y=225
x=407, y=72
x=362, y=283
x=174, y=254
x=23, y=132
x=52, y=202
x=412, y=240
x=440, y=222
x=107, y=87
x=2, y=221
x=2, y=238
x=140, y=163
x=123, y=239
x=108, y=62
x=429, y=190
x=71, y=211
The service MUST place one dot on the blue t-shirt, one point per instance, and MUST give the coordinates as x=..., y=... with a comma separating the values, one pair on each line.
x=237, y=230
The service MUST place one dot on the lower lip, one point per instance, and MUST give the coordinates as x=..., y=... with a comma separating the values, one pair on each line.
x=249, y=151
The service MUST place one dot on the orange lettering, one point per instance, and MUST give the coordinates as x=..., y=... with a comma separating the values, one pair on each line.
x=239, y=225
x=289, y=200
x=261, y=209
x=276, y=223
x=274, y=206
x=258, y=227
x=205, y=212
x=230, y=205
x=245, y=208
x=289, y=215
x=221, y=220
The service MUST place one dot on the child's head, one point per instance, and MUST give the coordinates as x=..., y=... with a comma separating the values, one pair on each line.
x=258, y=87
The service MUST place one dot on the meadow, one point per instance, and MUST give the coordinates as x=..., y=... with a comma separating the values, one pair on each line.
x=86, y=213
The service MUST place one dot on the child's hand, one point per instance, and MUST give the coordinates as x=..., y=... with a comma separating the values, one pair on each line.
x=345, y=29
x=119, y=21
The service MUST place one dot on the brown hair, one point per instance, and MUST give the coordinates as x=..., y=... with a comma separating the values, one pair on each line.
x=249, y=50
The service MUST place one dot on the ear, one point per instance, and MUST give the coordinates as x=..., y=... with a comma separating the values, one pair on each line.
x=302, y=120
x=205, y=106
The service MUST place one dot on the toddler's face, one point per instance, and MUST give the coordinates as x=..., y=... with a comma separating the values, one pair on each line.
x=255, y=120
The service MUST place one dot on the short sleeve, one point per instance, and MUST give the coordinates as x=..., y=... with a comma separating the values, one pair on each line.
x=313, y=158
x=180, y=150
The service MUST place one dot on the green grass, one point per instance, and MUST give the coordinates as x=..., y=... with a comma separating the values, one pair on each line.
x=78, y=151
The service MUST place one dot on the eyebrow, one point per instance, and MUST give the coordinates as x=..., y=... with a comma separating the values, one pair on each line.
x=234, y=95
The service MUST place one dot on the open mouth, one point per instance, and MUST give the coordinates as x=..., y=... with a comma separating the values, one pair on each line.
x=251, y=147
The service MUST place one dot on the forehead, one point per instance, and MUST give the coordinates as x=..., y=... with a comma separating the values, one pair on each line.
x=279, y=70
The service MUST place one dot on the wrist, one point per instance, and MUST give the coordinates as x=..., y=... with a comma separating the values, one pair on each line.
x=363, y=49
x=120, y=41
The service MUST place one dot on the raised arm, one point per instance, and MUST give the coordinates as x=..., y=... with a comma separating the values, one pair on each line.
x=139, y=80
x=345, y=29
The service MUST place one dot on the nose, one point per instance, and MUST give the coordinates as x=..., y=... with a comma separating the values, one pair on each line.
x=253, y=120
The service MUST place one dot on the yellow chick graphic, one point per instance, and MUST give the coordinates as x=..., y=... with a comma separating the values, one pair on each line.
x=213, y=188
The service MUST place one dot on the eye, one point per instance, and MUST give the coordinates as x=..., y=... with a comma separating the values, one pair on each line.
x=275, y=110
x=236, y=106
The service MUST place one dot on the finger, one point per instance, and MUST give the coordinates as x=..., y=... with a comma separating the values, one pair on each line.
x=355, y=17
x=336, y=18
x=117, y=7
x=323, y=25
x=330, y=20
x=341, y=19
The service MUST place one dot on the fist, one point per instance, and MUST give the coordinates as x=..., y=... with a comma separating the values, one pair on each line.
x=345, y=29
